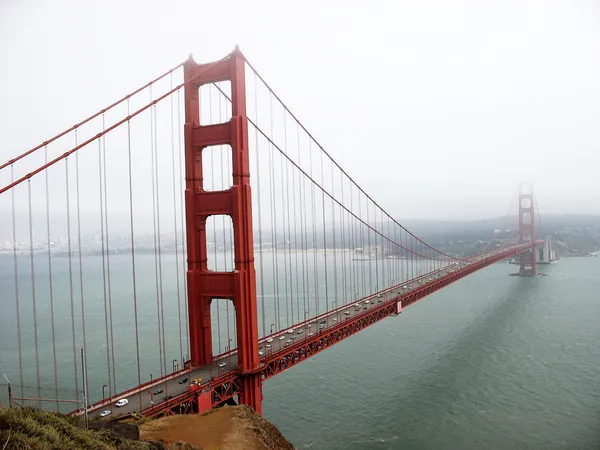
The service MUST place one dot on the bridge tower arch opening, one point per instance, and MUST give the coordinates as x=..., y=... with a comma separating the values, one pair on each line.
x=204, y=284
x=527, y=230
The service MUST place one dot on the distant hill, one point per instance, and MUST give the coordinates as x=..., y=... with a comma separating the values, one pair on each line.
x=571, y=234
x=548, y=224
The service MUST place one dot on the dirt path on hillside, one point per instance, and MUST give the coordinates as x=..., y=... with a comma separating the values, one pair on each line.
x=227, y=428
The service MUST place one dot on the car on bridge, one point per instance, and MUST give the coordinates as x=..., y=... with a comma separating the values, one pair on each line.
x=121, y=402
x=105, y=413
x=183, y=380
x=158, y=392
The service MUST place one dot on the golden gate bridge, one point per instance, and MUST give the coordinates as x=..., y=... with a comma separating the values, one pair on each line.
x=227, y=245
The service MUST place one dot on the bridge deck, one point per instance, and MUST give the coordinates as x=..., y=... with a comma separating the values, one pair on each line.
x=290, y=346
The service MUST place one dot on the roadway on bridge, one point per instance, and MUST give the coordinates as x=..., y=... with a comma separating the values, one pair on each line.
x=139, y=401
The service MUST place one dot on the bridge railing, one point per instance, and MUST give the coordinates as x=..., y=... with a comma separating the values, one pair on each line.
x=338, y=309
x=136, y=390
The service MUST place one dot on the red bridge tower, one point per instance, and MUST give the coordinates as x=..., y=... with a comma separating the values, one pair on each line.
x=527, y=229
x=205, y=285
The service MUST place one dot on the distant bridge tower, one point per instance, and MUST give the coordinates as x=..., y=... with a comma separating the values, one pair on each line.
x=205, y=285
x=527, y=229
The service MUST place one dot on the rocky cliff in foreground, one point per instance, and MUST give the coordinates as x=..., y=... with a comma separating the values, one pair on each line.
x=232, y=428
x=227, y=428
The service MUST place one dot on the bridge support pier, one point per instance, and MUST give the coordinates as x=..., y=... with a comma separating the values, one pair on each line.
x=252, y=392
x=205, y=285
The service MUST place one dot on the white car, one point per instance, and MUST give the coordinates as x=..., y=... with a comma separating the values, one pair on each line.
x=290, y=331
x=105, y=413
x=281, y=338
x=121, y=402
x=223, y=364
x=270, y=340
x=260, y=353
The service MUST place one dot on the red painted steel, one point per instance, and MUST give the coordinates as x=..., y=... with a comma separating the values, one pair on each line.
x=292, y=355
x=205, y=285
x=186, y=83
x=232, y=383
x=205, y=401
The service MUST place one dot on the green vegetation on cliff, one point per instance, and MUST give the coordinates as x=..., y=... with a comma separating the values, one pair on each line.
x=227, y=428
x=30, y=428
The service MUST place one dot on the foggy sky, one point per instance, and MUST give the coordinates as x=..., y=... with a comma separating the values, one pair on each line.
x=437, y=109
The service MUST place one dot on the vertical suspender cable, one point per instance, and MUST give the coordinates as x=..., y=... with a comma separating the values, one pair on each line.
x=133, y=278
x=296, y=245
x=273, y=224
x=324, y=236
x=295, y=218
x=183, y=243
x=104, y=284
x=315, y=245
x=229, y=171
x=362, y=244
x=260, y=239
x=212, y=187
x=156, y=276
x=108, y=283
x=225, y=166
x=33, y=296
x=84, y=335
x=302, y=195
x=353, y=240
x=285, y=268
x=51, y=287
x=344, y=246
x=75, y=369
x=230, y=114
x=175, y=226
x=289, y=232
x=16, y=273
x=370, y=290
x=160, y=274
x=334, y=245
x=224, y=219
x=260, y=242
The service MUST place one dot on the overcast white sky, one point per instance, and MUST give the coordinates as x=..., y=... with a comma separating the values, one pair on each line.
x=437, y=108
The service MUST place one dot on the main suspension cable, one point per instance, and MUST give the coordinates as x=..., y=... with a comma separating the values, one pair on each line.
x=93, y=116
x=334, y=162
x=112, y=127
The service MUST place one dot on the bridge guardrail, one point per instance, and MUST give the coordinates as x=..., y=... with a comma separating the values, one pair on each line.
x=136, y=390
